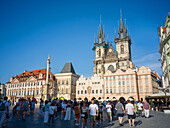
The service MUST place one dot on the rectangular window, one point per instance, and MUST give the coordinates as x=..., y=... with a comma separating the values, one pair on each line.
x=119, y=90
x=119, y=77
x=123, y=82
x=85, y=91
x=140, y=82
x=146, y=82
x=114, y=90
x=92, y=91
x=106, y=90
x=122, y=76
x=106, y=83
x=123, y=90
x=146, y=76
x=119, y=82
x=106, y=78
x=147, y=90
x=110, y=90
x=37, y=92
x=128, y=90
x=28, y=93
x=100, y=91
x=114, y=77
x=132, y=89
x=127, y=76
x=110, y=83
x=81, y=91
x=114, y=83
x=127, y=82
x=131, y=76
x=77, y=92
x=96, y=91
x=66, y=90
x=140, y=90
x=132, y=82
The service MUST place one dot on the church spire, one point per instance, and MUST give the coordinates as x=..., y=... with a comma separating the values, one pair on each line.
x=122, y=30
x=101, y=35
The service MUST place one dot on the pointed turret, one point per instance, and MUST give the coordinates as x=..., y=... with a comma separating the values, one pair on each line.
x=101, y=35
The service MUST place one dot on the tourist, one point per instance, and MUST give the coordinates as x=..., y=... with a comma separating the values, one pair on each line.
x=25, y=109
x=109, y=111
x=119, y=110
x=18, y=110
x=77, y=113
x=130, y=111
x=32, y=106
x=93, y=112
x=135, y=106
x=146, y=109
x=140, y=107
x=63, y=112
x=68, y=111
x=46, y=112
x=51, y=113
x=84, y=114
x=5, y=105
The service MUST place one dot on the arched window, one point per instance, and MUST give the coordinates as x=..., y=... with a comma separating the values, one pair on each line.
x=111, y=68
x=62, y=91
x=99, y=52
x=122, y=49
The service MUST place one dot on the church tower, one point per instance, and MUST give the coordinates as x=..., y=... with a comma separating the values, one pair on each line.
x=123, y=47
x=100, y=52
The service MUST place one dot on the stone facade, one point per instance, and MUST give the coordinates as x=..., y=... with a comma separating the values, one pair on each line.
x=164, y=50
x=66, y=82
x=30, y=84
x=2, y=91
x=107, y=58
x=89, y=88
x=129, y=83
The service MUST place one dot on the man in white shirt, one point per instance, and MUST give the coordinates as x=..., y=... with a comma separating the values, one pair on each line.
x=93, y=112
x=140, y=107
x=130, y=111
x=109, y=111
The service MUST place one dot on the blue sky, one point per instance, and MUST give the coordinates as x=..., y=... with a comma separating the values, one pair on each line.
x=32, y=29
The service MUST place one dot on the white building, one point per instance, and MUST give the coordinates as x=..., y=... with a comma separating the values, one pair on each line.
x=89, y=88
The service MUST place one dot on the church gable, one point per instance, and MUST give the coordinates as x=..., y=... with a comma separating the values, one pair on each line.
x=32, y=78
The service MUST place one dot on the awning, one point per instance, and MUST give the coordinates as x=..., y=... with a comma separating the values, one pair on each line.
x=159, y=95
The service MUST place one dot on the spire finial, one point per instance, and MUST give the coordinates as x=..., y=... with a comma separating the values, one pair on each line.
x=125, y=21
x=100, y=19
x=120, y=13
x=94, y=38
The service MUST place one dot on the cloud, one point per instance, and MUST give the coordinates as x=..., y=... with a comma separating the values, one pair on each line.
x=151, y=61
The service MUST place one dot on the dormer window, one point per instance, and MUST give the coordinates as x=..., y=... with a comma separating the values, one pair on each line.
x=40, y=75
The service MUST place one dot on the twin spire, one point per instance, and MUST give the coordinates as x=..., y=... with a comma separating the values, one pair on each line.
x=122, y=31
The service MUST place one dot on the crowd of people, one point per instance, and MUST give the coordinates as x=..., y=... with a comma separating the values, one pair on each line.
x=49, y=110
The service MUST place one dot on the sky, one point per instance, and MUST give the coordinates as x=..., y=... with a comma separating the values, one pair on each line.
x=30, y=30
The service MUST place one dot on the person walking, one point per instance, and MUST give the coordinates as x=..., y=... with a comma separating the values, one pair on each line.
x=109, y=111
x=46, y=112
x=130, y=111
x=84, y=114
x=140, y=107
x=77, y=113
x=93, y=113
x=68, y=111
x=120, y=110
x=51, y=113
x=63, y=112
x=146, y=109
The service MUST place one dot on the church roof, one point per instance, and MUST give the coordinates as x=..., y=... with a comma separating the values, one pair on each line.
x=68, y=68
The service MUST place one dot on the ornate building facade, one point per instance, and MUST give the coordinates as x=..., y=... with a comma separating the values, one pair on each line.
x=164, y=50
x=129, y=83
x=89, y=88
x=66, y=82
x=106, y=57
x=32, y=84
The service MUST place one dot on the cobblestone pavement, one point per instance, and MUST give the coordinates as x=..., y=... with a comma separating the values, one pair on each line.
x=156, y=120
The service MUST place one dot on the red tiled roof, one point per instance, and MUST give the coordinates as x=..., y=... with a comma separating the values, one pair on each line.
x=34, y=73
x=164, y=29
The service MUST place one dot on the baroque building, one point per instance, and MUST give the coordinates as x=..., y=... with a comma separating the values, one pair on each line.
x=38, y=83
x=66, y=82
x=106, y=57
x=164, y=50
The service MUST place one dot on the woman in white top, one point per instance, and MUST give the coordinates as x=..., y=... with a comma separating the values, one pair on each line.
x=84, y=114
x=51, y=113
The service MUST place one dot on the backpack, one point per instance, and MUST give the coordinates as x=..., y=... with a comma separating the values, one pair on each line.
x=77, y=111
x=2, y=107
